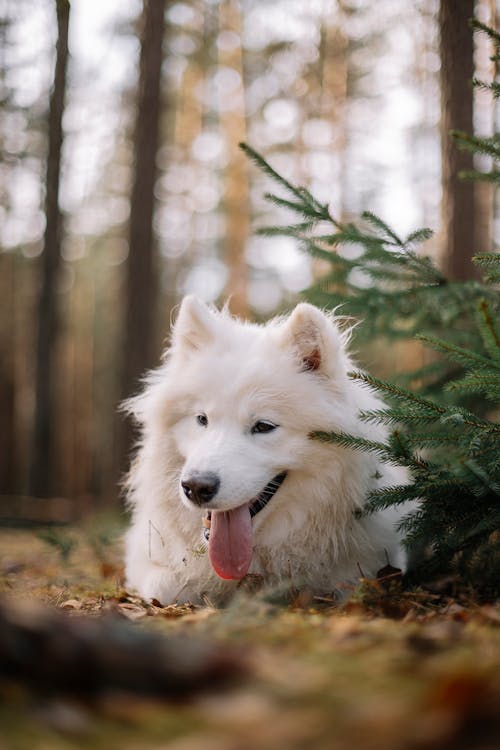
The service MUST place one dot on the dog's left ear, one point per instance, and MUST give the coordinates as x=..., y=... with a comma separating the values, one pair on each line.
x=312, y=337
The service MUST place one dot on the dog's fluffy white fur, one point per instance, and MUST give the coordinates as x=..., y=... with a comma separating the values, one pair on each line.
x=291, y=372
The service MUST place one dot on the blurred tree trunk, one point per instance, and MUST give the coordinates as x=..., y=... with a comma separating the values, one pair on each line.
x=334, y=75
x=8, y=385
x=7, y=319
x=236, y=189
x=141, y=283
x=75, y=394
x=42, y=463
x=484, y=117
x=494, y=21
x=8, y=442
x=457, y=70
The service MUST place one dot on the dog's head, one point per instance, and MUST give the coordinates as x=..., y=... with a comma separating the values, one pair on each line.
x=255, y=393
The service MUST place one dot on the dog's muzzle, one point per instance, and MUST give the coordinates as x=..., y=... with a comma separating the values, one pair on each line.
x=258, y=504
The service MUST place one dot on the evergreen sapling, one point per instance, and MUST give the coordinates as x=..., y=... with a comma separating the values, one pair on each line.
x=443, y=428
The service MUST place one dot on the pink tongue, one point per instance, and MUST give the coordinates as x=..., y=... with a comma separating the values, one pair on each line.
x=230, y=542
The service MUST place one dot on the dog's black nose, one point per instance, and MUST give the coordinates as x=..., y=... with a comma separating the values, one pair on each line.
x=201, y=488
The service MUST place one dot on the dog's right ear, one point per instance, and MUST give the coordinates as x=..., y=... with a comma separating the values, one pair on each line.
x=194, y=326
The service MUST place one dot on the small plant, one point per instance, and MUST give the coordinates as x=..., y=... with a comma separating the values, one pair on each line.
x=63, y=543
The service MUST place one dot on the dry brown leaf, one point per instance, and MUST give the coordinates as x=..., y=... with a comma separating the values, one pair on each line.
x=132, y=611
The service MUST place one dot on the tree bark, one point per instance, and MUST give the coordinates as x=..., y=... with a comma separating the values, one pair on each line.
x=236, y=187
x=458, y=199
x=42, y=463
x=8, y=436
x=139, y=338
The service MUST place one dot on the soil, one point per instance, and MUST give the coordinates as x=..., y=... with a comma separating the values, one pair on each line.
x=387, y=669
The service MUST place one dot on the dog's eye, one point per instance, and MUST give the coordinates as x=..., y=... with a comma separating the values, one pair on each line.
x=202, y=419
x=263, y=426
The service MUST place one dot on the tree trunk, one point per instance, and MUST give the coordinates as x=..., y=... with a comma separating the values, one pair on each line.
x=42, y=462
x=8, y=437
x=236, y=188
x=141, y=286
x=457, y=69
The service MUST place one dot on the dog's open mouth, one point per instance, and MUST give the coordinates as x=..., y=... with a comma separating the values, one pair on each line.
x=230, y=542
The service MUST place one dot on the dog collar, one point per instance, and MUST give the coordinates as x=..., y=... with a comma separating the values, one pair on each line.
x=258, y=504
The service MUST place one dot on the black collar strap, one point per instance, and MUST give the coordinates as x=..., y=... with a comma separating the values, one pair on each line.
x=267, y=493
x=259, y=504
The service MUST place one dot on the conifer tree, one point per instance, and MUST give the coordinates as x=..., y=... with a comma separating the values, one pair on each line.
x=442, y=429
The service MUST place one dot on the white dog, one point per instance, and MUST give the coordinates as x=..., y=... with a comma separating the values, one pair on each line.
x=226, y=423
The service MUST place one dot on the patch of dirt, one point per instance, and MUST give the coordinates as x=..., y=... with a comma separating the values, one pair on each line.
x=389, y=669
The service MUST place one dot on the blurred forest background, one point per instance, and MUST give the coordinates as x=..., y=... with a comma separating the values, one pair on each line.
x=122, y=187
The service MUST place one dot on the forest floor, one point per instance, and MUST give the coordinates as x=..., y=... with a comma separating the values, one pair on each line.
x=388, y=669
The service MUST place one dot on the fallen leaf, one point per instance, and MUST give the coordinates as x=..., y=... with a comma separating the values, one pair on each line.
x=132, y=611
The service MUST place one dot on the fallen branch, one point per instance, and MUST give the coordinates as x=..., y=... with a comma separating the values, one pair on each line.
x=50, y=651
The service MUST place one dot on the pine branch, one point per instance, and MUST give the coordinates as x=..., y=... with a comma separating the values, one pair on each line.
x=398, y=275
x=493, y=87
x=390, y=496
x=491, y=33
x=488, y=146
x=265, y=167
x=480, y=473
x=293, y=230
x=349, y=234
x=385, y=452
x=321, y=208
x=434, y=439
x=303, y=208
x=487, y=260
x=491, y=263
x=336, y=260
x=395, y=417
x=426, y=406
x=465, y=357
x=482, y=382
x=461, y=417
x=488, y=330
x=377, y=222
x=424, y=265
x=349, y=441
x=486, y=526
x=440, y=370
x=474, y=174
x=419, y=235
x=305, y=203
x=422, y=407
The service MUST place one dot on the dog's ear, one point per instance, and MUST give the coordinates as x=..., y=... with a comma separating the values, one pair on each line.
x=311, y=336
x=194, y=326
